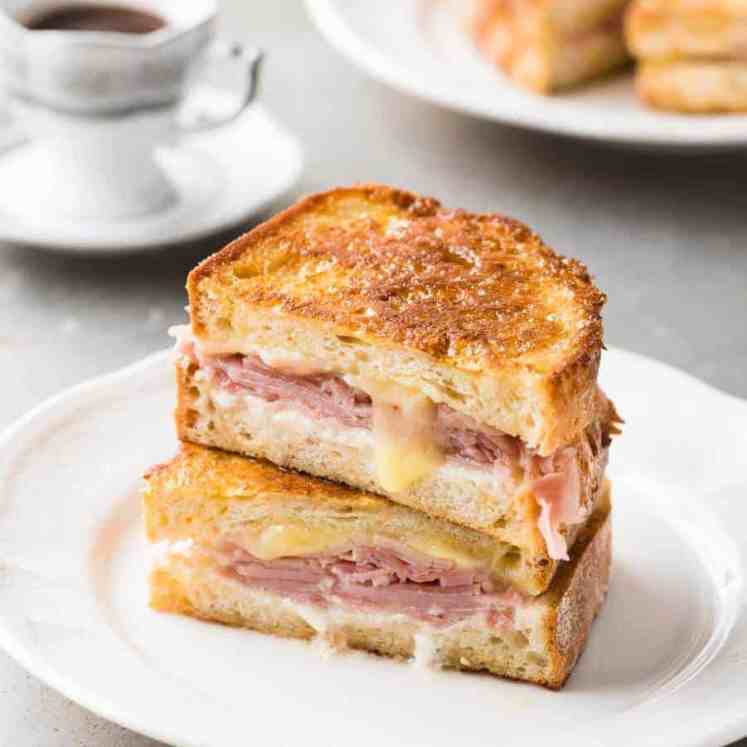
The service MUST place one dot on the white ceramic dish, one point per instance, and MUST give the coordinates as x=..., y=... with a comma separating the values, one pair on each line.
x=421, y=48
x=665, y=665
x=221, y=178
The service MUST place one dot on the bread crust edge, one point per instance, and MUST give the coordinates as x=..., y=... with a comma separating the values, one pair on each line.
x=565, y=394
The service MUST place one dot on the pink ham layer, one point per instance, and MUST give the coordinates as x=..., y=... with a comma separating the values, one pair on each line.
x=554, y=480
x=327, y=396
x=382, y=578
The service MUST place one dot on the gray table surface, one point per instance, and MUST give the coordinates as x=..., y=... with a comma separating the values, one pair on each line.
x=665, y=236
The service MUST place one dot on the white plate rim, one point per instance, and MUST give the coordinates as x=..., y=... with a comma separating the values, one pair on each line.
x=67, y=685
x=725, y=732
x=366, y=56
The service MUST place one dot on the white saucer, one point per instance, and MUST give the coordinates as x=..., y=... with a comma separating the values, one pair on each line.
x=422, y=47
x=222, y=178
x=665, y=664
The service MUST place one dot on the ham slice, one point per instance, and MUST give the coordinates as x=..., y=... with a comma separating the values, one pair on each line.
x=381, y=578
x=320, y=395
x=558, y=492
x=327, y=395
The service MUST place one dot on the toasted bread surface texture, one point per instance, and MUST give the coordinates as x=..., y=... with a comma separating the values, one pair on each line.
x=542, y=647
x=473, y=309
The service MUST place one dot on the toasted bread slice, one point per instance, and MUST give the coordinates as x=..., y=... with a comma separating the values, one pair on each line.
x=473, y=311
x=694, y=86
x=548, y=45
x=710, y=30
x=246, y=544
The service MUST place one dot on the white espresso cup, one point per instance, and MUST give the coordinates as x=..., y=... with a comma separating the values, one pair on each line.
x=99, y=103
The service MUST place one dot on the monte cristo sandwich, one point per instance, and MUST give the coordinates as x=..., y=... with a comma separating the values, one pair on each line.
x=242, y=542
x=444, y=359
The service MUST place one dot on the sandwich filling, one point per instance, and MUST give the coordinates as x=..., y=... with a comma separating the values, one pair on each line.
x=412, y=435
x=376, y=578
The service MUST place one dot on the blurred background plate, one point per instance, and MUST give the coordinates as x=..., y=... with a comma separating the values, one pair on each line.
x=421, y=47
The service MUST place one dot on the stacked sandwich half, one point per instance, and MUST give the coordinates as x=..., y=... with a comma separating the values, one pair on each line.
x=549, y=45
x=439, y=369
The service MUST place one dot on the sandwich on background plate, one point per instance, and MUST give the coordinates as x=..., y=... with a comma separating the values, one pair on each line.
x=691, y=54
x=242, y=542
x=548, y=45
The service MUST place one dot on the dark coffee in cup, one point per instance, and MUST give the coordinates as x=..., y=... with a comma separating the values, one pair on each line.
x=89, y=17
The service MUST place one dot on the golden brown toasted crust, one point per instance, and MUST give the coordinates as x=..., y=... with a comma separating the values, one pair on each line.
x=468, y=287
x=578, y=590
x=211, y=473
x=675, y=29
x=475, y=293
x=545, y=650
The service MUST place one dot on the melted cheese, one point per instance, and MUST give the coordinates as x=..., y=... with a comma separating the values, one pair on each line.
x=403, y=423
x=290, y=362
x=160, y=552
x=425, y=655
x=284, y=540
x=436, y=547
x=297, y=540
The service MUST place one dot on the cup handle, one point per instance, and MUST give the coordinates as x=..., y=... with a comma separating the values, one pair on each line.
x=219, y=53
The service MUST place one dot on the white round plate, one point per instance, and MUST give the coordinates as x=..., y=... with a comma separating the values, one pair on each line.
x=422, y=48
x=222, y=178
x=665, y=664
